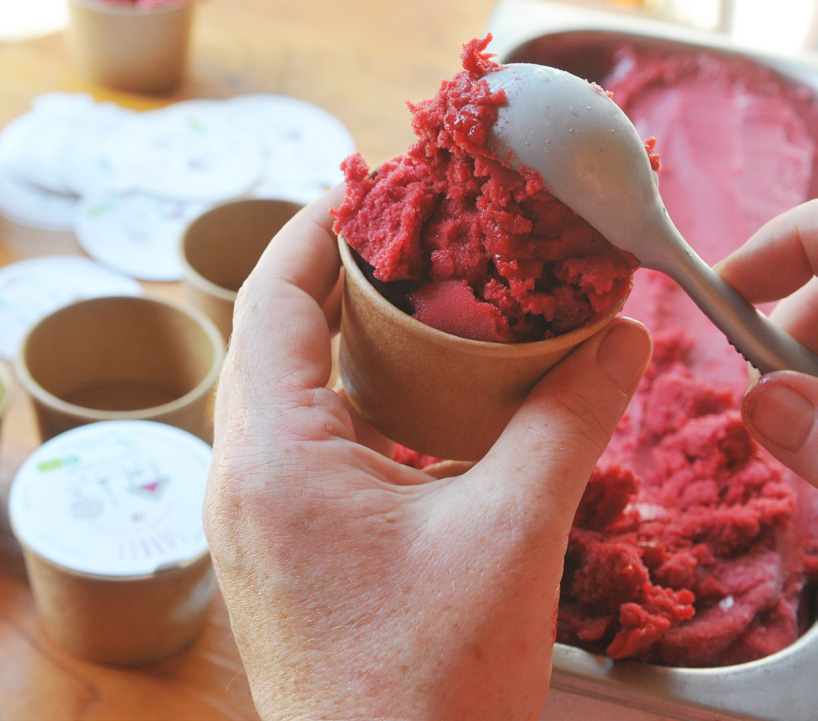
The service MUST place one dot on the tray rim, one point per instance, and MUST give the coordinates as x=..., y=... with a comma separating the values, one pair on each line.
x=515, y=22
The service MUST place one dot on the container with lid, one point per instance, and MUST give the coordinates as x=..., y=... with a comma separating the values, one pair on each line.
x=109, y=516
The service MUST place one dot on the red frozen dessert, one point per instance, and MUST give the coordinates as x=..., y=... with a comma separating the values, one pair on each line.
x=467, y=244
x=713, y=539
x=692, y=546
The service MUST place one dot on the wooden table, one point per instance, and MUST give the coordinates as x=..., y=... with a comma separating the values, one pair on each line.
x=361, y=60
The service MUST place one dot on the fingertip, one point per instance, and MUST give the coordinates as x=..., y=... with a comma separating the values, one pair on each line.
x=779, y=412
x=624, y=352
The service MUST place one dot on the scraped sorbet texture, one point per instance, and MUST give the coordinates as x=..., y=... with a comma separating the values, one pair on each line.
x=468, y=245
x=692, y=546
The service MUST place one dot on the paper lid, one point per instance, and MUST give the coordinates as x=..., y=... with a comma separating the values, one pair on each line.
x=135, y=233
x=115, y=498
x=188, y=152
x=302, y=143
x=34, y=207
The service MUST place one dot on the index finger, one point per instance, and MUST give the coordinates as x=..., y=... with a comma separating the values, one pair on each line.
x=778, y=259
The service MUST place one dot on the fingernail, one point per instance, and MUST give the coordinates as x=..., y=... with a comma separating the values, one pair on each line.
x=780, y=414
x=624, y=353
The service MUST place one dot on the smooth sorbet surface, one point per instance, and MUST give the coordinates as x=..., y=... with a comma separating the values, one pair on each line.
x=489, y=254
x=692, y=546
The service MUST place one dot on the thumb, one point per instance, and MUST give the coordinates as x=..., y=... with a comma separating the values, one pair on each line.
x=779, y=412
x=553, y=442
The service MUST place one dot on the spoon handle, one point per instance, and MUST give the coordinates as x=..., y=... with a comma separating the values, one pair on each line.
x=765, y=345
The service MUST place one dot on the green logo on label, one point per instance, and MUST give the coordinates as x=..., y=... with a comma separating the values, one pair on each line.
x=57, y=463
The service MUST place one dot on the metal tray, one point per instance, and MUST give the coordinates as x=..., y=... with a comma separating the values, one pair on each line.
x=588, y=687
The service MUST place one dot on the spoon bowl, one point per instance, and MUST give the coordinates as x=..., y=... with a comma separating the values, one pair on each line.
x=592, y=158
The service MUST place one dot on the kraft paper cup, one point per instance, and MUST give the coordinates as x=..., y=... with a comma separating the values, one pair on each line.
x=122, y=358
x=109, y=519
x=433, y=392
x=140, y=48
x=222, y=246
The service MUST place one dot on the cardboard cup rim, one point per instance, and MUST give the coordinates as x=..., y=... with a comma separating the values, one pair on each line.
x=195, y=278
x=33, y=388
x=191, y=274
x=415, y=384
x=467, y=345
x=182, y=564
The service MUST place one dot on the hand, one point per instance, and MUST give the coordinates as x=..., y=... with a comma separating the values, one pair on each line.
x=780, y=261
x=359, y=588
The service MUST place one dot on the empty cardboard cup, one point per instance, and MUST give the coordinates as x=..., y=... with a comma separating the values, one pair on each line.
x=127, y=46
x=433, y=392
x=122, y=358
x=109, y=519
x=222, y=246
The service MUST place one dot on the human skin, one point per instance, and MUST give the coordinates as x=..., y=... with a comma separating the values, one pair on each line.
x=780, y=261
x=359, y=588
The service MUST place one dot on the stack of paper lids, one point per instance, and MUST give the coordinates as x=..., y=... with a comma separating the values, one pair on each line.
x=129, y=182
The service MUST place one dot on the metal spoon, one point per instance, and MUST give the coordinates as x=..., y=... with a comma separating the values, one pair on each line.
x=592, y=159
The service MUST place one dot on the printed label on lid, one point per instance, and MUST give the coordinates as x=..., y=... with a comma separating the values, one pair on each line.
x=118, y=498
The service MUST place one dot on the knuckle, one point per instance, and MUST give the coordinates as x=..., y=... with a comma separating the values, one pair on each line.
x=583, y=424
